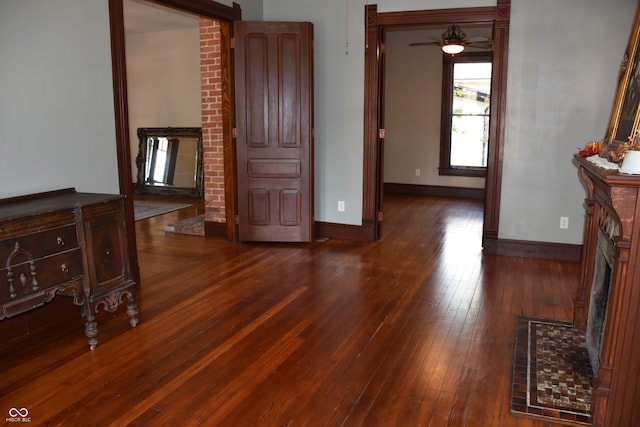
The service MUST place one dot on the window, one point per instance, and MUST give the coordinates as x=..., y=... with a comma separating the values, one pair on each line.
x=466, y=96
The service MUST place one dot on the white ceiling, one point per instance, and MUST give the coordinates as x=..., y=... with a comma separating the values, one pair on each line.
x=142, y=17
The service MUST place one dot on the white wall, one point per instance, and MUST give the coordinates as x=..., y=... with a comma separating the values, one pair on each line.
x=163, y=82
x=56, y=97
x=413, y=101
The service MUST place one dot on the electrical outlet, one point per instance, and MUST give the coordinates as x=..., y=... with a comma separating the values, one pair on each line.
x=564, y=222
x=340, y=205
x=417, y=172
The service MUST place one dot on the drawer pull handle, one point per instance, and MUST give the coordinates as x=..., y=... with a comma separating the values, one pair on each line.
x=64, y=268
x=20, y=253
x=60, y=241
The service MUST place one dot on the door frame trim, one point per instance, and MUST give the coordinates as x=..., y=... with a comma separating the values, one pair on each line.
x=375, y=26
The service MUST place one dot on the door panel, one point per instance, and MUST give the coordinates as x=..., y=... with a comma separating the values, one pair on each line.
x=274, y=121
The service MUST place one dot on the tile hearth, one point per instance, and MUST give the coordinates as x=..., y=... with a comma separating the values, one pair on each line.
x=552, y=375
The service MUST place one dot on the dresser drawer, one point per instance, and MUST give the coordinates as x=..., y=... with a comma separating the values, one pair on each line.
x=41, y=244
x=49, y=271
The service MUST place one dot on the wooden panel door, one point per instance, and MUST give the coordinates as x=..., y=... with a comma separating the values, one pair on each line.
x=274, y=130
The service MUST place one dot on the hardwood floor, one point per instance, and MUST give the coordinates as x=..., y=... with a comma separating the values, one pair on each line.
x=414, y=330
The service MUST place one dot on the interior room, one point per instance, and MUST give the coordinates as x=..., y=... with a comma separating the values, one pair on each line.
x=164, y=105
x=398, y=287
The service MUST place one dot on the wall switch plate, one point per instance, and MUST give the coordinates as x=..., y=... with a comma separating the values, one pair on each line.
x=340, y=206
x=564, y=222
x=417, y=172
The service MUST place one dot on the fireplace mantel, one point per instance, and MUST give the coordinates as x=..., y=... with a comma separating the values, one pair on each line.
x=612, y=209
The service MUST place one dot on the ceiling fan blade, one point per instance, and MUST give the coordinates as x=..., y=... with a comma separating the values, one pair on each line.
x=425, y=44
x=480, y=39
x=482, y=45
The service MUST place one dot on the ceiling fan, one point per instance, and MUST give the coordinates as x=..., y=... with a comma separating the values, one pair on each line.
x=454, y=40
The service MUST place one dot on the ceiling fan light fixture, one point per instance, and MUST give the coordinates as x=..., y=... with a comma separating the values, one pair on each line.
x=453, y=40
x=452, y=48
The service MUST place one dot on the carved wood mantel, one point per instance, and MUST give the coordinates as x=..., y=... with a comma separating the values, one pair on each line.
x=612, y=207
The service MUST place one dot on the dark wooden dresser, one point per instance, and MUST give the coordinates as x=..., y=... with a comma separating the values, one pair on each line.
x=65, y=243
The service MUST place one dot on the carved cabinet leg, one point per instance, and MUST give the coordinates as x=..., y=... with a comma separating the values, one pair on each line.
x=90, y=326
x=132, y=310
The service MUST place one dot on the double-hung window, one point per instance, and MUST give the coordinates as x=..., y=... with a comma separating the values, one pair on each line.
x=466, y=105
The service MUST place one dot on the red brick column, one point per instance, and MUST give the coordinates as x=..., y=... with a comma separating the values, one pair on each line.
x=211, y=86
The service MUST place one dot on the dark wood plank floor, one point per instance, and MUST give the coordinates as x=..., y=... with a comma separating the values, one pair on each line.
x=414, y=330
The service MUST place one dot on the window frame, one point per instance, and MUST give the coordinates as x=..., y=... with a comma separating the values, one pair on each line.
x=448, y=61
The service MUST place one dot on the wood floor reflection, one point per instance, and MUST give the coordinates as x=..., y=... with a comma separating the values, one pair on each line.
x=417, y=329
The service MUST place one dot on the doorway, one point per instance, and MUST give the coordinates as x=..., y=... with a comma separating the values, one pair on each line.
x=377, y=26
x=227, y=181
x=164, y=100
x=436, y=119
x=225, y=15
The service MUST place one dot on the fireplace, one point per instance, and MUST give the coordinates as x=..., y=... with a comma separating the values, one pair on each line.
x=603, y=266
x=607, y=304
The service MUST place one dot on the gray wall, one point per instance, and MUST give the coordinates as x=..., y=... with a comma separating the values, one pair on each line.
x=560, y=94
x=56, y=97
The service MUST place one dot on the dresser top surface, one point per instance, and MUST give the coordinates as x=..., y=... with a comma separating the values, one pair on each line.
x=44, y=203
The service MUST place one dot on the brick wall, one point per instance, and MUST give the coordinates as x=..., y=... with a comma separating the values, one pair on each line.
x=211, y=86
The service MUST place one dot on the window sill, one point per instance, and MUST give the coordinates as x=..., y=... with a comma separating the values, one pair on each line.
x=454, y=171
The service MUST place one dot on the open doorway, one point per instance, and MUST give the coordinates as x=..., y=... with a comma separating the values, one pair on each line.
x=164, y=99
x=378, y=24
x=204, y=8
x=164, y=112
x=436, y=114
x=227, y=181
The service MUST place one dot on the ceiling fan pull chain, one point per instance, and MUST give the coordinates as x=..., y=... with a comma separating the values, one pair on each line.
x=346, y=43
